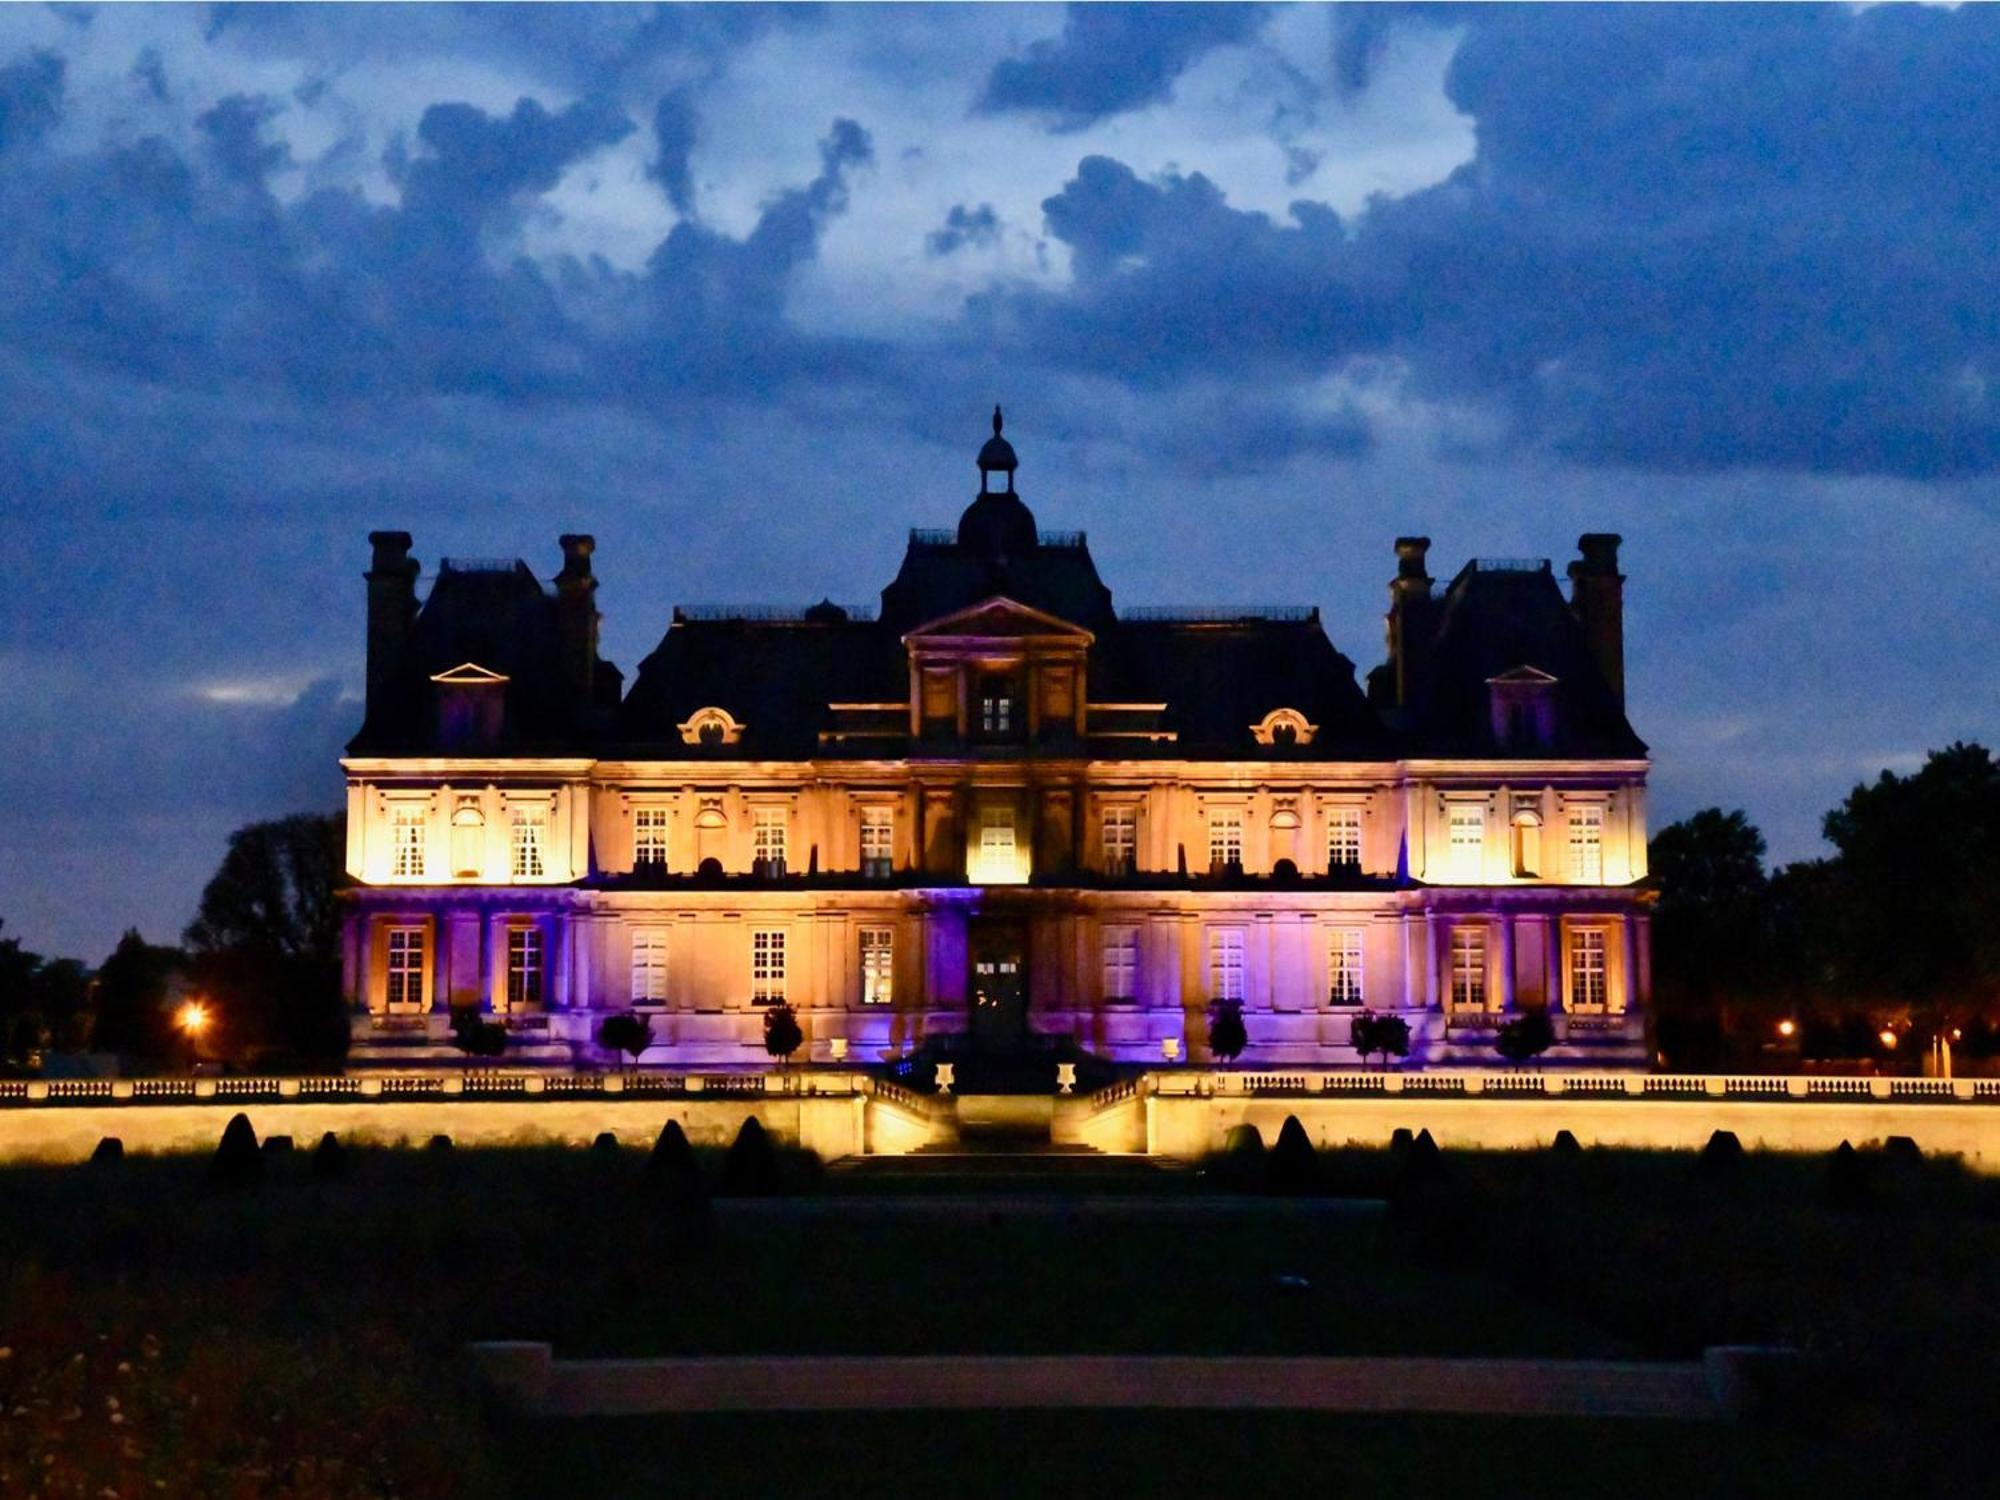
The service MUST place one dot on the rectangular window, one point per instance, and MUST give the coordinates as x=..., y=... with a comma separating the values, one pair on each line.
x=531, y=826
x=1225, y=963
x=409, y=825
x=1586, y=844
x=1467, y=823
x=524, y=967
x=649, y=966
x=996, y=705
x=1343, y=837
x=878, y=965
x=406, y=968
x=878, y=842
x=768, y=839
x=1343, y=967
x=1121, y=839
x=649, y=836
x=1121, y=963
x=1468, y=968
x=767, y=966
x=996, y=833
x=1586, y=968
x=1225, y=840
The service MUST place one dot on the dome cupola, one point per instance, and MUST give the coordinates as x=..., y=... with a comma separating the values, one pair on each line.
x=997, y=525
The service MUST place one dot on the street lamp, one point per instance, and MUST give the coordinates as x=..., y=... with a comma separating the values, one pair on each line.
x=1887, y=1038
x=1788, y=1029
x=192, y=1019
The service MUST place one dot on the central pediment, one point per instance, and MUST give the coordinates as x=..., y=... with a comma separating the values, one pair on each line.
x=998, y=618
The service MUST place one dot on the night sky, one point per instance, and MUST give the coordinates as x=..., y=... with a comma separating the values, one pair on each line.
x=736, y=289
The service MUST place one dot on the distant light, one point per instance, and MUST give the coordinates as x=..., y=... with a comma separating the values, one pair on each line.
x=192, y=1018
x=1787, y=1028
x=1956, y=1034
x=1888, y=1039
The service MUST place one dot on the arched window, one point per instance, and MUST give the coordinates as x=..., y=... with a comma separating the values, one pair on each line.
x=468, y=839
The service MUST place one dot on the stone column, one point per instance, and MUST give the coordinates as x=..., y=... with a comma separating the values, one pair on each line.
x=1628, y=931
x=1503, y=958
x=1552, y=951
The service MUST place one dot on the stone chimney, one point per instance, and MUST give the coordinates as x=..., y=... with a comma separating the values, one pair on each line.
x=576, y=619
x=1411, y=619
x=392, y=610
x=1597, y=599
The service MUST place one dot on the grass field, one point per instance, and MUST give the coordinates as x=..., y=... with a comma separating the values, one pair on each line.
x=301, y=1337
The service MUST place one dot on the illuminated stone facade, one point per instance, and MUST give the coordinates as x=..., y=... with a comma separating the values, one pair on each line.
x=997, y=806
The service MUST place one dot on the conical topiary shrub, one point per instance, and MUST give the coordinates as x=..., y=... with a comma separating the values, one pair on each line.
x=110, y=1152
x=606, y=1145
x=1723, y=1153
x=671, y=1162
x=674, y=1182
x=1565, y=1147
x=1293, y=1165
x=438, y=1143
x=1242, y=1167
x=1422, y=1164
x=237, y=1161
x=1846, y=1176
x=750, y=1169
x=329, y=1158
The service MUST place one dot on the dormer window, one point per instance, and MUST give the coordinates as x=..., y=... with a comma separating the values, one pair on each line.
x=1284, y=729
x=711, y=726
x=1522, y=704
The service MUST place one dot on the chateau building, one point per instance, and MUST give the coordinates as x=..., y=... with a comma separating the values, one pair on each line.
x=997, y=806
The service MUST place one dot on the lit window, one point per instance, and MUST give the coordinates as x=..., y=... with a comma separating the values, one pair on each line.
x=768, y=839
x=878, y=842
x=767, y=966
x=1468, y=968
x=1468, y=839
x=878, y=965
x=1121, y=839
x=649, y=966
x=1225, y=840
x=997, y=862
x=468, y=839
x=1225, y=963
x=996, y=705
x=1586, y=968
x=409, y=823
x=531, y=826
x=1121, y=963
x=1586, y=844
x=649, y=835
x=1343, y=967
x=524, y=966
x=406, y=968
x=1343, y=836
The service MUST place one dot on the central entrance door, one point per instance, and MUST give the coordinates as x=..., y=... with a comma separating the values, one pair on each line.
x=999, y=983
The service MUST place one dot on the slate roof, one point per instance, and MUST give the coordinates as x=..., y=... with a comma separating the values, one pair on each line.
x=1493, y=619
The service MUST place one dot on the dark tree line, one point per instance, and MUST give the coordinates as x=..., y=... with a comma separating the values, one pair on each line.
x=262, y=956
x=1898, y=929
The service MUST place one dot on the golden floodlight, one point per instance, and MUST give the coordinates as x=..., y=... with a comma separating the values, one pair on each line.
x=192, y=1018
x=1888, y=1038
x=1787, y=1028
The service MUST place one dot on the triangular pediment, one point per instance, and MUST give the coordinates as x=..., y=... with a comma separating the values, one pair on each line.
x=469, y=674
x=999, y=618
x=1525, y=676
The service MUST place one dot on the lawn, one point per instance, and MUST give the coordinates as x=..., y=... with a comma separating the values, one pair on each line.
x=318, y=1322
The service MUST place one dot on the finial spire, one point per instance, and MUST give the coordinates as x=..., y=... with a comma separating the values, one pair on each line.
x=996, y=419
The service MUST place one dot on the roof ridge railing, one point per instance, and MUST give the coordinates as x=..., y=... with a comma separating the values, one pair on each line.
x=1222, y=614
x=944, y=536
x=480, y=564
x=1511, y=565
x=775, y=614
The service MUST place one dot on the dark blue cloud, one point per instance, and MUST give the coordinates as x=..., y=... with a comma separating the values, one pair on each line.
x=1113, y=58
x=964, y=226
x=30, y=98
x=675, y=127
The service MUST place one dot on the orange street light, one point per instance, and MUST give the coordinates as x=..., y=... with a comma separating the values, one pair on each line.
x=1888, y=1039
x=192, y=1018
x=1787, y=1028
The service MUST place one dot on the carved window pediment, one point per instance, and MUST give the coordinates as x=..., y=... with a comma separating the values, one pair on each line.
x=1283, y=728
x=710, y=726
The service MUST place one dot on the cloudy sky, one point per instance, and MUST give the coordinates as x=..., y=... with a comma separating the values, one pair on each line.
x=734, y=289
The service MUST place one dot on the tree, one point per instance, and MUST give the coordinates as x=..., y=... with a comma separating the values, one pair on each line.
x=1526, y=1037
x=1916, y=900
x=782, y=1036
x=1388, y=1035
x=476, y=1036
x=1227, y=1035
x=44, y=1002
x=627, y=1032
x=1712, y=954
x=266, y=938
x=131, y=995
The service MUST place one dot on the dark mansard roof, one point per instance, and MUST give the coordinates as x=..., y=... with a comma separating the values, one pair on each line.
x=1185, y=684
